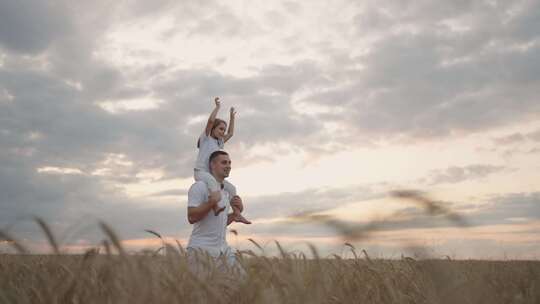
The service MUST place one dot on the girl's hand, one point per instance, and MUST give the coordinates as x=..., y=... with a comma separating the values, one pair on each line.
x=236, y=201
x=217, y=102
x=233, y=112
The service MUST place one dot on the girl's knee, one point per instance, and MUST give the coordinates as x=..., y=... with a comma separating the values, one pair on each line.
x=230, y=188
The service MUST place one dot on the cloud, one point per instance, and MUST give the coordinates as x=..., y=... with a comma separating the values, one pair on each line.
x=504, y=208
x=51, y=119
x=424, y=70
x=518, y=137
x=425, y=80
x=262, y=101
x=396, y=99
x=287, y=204
x=29, y=27
x=72, y=204
x=175, y=192
x=534, y=135
x=457, y=174
x=509, y=139
x=516, y=209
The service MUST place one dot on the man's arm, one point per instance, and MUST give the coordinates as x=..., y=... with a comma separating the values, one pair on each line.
x=196, y=214
x=230, y=130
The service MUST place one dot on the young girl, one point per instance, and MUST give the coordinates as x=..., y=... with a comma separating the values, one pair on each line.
x=212, y=139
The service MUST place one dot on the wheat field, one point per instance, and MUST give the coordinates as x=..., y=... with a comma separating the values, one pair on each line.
x=164, y=277
x=109, y=274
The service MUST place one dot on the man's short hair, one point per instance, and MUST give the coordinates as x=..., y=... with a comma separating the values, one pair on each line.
x=216, y=154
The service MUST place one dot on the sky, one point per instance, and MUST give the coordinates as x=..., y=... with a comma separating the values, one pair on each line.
x=338, y=104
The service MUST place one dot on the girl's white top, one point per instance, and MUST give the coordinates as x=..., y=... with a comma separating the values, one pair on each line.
x=207, y=145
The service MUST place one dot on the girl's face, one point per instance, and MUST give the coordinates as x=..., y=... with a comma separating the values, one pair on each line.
x=219, y=131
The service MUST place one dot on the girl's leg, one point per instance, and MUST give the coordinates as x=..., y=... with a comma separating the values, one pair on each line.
x=213, y=186
x=208, y=179
x=230, y=188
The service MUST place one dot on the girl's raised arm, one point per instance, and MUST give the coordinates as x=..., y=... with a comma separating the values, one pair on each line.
x=212, y=117
x=230, y=130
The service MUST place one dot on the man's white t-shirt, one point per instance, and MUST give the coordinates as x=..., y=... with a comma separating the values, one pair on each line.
x=210, y=232
x=207, y=145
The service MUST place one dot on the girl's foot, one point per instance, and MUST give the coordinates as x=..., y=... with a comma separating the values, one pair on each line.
x=241, y=219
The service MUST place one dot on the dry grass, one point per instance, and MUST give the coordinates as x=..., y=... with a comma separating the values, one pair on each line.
x=110, y=275
x=290, y=278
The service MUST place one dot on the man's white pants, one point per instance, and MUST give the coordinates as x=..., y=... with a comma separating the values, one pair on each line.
x=201, y=262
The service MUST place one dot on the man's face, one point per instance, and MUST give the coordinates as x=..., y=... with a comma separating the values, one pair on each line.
x=221, y=166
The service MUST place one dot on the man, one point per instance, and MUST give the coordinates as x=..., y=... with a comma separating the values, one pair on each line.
x=209, y=230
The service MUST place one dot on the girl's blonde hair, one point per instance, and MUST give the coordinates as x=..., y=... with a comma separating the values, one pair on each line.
x=217, y=122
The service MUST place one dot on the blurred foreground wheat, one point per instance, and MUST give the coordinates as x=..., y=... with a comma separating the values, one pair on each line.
x=107, y=274
x=97, y=278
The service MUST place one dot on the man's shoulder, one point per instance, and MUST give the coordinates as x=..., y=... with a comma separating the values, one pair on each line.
x=198, y=193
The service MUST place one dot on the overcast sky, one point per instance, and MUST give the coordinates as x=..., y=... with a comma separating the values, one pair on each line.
x=339, y=102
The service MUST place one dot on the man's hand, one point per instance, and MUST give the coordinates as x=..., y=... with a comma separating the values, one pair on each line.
x=214, y=198
x=196, y=214
x=233, y=112
x=236, y=201
x=217, y=102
